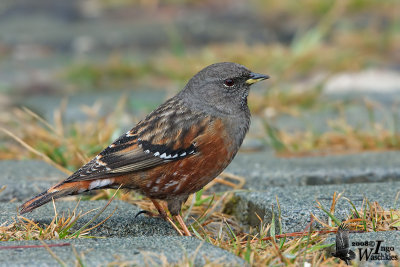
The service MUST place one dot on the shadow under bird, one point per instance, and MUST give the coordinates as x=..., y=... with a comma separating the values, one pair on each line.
x=177, y=149
x=343, y=251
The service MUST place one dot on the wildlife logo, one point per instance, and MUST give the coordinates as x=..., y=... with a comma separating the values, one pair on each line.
x=375, y=251
x=343, y=251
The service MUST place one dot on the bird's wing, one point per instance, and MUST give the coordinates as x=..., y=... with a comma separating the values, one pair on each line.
x=342, y=238
x=167, y=134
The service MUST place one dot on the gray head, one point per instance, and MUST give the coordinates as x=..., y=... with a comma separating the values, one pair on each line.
x=220, y=88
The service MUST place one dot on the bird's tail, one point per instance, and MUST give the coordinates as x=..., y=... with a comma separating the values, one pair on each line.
x=59, y=190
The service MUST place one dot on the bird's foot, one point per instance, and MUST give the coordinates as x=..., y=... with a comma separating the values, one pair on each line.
x=163, y=214
x=148, y=213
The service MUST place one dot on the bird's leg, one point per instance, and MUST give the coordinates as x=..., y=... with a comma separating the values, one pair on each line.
x=174, y=207
x=160, y=208
x=183, y=225
x=163, y=214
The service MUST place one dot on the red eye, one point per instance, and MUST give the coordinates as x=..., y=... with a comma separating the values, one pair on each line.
x=229, y=82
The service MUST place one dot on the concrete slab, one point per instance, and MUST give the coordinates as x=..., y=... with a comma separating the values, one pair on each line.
x=297, y=202
x=25, y=178
x=128, y=251
x=263, y=169
x=122, y=223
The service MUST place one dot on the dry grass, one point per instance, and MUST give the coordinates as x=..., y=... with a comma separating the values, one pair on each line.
x=342, y=140
x=204, y=211
x=69, y=147
x=258, y=246
x=26, y=229
x=59, y=227
x=320, y=48
x=263, y=246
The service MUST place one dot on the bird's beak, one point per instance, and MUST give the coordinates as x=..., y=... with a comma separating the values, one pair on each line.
x=256, y=77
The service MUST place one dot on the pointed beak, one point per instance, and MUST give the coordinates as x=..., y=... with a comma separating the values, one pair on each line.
x=256, y=77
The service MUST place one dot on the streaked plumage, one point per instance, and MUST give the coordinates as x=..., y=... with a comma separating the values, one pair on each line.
x=178, y=148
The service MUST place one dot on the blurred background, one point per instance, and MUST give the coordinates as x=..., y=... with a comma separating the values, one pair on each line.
x=74, y=75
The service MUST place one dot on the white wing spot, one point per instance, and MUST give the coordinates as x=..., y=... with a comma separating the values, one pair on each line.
x=100, y=163
x=182, y=181
x=157, y=154
x=147, y=151
x=183, y=154
x=129, y=134
x=175, y=156
x=163, y=156
x=100, y=183
x=177, y=188
x=171, y=183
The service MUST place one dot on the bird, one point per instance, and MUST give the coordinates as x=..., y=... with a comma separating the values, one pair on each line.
x=176, y=149
x=343, y=251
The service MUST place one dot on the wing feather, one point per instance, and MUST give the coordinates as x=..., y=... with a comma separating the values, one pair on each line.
x=152, y=142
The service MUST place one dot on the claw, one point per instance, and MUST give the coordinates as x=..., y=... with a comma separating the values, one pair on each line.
x=144, y=212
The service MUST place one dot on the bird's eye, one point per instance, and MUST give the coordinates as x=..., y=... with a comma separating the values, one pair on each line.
x=229, y=82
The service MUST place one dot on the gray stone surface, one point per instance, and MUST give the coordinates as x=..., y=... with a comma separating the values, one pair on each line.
x=390, y=239
x=23, y=179
x=263, y=169
x=122, y=223
x=123, y=230
x=297, y=202
x=131, y=251
x=371, y=80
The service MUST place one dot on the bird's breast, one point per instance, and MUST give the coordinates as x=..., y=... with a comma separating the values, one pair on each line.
x=215, y=150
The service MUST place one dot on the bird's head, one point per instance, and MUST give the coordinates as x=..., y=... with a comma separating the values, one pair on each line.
x=221, y=87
